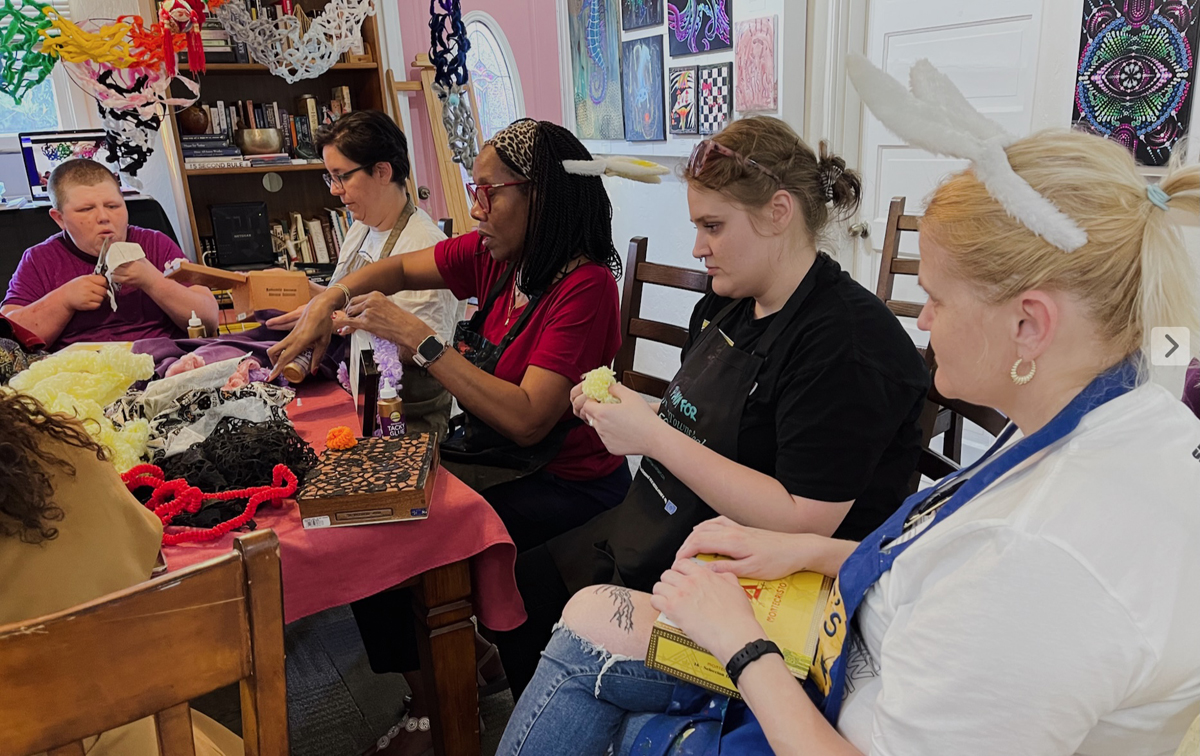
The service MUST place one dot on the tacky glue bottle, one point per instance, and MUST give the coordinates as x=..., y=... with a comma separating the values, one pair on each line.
x=391, y=412
x=196, y=327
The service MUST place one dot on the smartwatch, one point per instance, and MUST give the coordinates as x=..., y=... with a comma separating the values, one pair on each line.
x=752, y=651
x=429, y=350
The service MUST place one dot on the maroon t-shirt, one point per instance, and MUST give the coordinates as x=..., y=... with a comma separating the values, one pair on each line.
x=575, y=328
x=47, y=266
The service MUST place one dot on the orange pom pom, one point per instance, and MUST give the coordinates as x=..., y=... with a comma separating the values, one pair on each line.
x=340, y=437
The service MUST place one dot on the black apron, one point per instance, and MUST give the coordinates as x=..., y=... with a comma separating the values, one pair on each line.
x=635, y=542
x=474, y=451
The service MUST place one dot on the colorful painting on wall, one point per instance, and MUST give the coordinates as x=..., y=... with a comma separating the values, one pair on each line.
x=1137, y=70
x=699, y=26
x=638, y=14
x=715, y=91
x=682, y=100
x=642, y=84
x=596, y=68
x=754, y=85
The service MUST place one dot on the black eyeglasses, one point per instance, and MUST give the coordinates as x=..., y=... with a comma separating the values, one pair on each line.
x=339, y=178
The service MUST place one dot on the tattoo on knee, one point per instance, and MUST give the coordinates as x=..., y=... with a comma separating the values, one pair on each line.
x=622, y=599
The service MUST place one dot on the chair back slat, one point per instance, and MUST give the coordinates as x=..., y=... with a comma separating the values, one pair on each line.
x=638, y=273
x=174, y=725
x=70, y=749
x=904, y=309
x=148, y=650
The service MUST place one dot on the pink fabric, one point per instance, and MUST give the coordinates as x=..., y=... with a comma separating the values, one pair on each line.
x=334, y=566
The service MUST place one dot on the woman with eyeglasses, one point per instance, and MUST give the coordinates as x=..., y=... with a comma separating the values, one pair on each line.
x=367, y=167
x=795, y=408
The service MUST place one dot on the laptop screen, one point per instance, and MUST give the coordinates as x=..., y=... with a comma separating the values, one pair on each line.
x=43, y=151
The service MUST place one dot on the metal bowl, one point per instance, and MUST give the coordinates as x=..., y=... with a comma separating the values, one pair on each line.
x=259, y=141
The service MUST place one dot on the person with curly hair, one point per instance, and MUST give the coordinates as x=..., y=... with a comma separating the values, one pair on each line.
x=70, y=532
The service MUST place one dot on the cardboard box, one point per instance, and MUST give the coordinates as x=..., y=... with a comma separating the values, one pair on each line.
x=379, y=480
x=790, y=611
x=282, y=290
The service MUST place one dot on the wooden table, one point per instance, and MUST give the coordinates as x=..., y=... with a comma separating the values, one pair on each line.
x=458, y=563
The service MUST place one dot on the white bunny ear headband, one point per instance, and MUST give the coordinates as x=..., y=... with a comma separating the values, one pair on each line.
x=633, y=169
x=936, y=117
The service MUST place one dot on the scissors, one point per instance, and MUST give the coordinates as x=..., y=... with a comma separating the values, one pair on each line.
x=102, y=270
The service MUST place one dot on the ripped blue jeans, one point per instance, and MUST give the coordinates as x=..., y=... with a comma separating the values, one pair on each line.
x=584, y=700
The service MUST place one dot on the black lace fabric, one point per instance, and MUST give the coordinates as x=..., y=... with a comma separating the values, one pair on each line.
x=237, y=454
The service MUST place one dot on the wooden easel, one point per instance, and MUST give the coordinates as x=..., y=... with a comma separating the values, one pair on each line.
x=451, y=175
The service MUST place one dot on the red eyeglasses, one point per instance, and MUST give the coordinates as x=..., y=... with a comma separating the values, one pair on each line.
x=482, y=193
x=704, y=150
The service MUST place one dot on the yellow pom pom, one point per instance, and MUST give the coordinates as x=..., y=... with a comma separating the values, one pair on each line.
x=596, y=383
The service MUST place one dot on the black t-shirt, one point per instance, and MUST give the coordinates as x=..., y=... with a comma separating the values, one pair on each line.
x=834, y=415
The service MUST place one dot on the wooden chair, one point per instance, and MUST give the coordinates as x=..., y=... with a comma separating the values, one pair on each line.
x=638, y=272
x=148, y=650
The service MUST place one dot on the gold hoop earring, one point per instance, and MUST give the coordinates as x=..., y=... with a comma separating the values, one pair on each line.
x=1021, y=380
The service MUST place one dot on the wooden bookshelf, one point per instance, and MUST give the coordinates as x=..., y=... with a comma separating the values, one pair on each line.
x=303, y=189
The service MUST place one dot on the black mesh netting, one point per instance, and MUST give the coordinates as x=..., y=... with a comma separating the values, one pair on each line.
x=237, y=454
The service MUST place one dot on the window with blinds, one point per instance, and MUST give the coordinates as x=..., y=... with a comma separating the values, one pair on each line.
x=37, y=110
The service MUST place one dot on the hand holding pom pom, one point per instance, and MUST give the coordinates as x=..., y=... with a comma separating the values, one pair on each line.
x=596, y=382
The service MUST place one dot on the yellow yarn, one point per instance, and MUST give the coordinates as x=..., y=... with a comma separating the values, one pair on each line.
x=108, y=45
x=596, y=383
x=82, y=383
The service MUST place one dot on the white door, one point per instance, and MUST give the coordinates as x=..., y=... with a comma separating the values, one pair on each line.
x=990, y=51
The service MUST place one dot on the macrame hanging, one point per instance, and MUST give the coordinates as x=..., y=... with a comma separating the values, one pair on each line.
x=448, y=45
x=289, y=51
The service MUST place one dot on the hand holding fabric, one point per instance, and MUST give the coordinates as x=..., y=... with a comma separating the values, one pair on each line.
x=709, y=606
x=625, y=428
x=139, y=273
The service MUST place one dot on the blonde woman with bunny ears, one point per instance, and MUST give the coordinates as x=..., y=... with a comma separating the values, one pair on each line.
x=1039, y=602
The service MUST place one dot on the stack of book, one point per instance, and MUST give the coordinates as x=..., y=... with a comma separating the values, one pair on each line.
x=201, y=151
x=313, y=241
x=274, y=158
x=299, y=128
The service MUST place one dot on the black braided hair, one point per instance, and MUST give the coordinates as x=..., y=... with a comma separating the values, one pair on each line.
x=569, y=215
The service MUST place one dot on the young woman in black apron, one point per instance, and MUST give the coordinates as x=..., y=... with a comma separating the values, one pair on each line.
x=1041, y=600
x=795, y=407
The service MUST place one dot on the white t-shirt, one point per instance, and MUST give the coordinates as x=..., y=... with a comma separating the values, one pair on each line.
x=1056, y=613
x=440, y=310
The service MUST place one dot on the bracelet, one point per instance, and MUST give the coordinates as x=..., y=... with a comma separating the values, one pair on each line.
x=345, y=290
x=752, y=651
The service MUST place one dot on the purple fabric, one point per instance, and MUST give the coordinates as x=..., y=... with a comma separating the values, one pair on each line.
x=56, y=261
x=229, y=345
x=1191, y=387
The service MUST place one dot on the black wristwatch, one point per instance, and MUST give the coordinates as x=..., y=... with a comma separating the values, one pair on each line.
x=429, y=350
x=750, y=652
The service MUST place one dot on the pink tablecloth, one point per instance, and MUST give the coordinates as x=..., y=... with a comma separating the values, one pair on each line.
x=334, y=566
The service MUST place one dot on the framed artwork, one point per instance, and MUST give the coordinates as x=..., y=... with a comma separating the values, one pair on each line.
x=596, y=68
x=1137, y=70
x=715, y=89
x=681, y=100
x=638, y=14
x=642, y=86
x=699, y=26
x=754, y=84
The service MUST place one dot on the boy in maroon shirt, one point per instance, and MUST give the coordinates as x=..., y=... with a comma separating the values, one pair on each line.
x=55, y=292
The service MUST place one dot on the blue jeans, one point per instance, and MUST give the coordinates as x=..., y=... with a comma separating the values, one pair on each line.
x=584, y=700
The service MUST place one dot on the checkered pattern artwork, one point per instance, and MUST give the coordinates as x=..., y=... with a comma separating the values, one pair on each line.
x=715, y=96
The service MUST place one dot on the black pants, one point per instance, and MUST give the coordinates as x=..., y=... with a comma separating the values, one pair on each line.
x=535, y=509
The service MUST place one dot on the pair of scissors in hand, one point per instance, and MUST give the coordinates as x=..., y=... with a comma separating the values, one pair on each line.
x=102, y=270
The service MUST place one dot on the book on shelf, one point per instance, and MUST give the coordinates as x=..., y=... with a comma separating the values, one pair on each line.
x=194, y=166
x=317, y=234
x=204, y=140
x=331, y=241
x=201, y=152
x=790, y=611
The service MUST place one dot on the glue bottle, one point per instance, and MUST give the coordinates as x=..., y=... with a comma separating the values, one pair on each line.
x=392, y=423
x=297, y=370
x=196, y=327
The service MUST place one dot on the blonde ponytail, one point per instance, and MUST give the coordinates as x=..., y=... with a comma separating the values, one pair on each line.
x=1170, y=272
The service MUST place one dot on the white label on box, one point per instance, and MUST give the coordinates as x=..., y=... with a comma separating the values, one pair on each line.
x=316, y=522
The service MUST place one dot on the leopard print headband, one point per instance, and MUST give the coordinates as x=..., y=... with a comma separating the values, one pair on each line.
x=514, y=143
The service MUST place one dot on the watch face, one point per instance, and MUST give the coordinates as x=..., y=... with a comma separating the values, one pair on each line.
x=430, y=348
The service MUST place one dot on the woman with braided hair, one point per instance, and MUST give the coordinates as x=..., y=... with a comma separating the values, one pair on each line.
x=543, y=267
x=71, y=532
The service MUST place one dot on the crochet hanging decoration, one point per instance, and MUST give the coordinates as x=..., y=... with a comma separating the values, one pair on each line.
x=289, y=48
x=23, y=65
x=448, y=46
x=936, y=117
x=172, y=497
